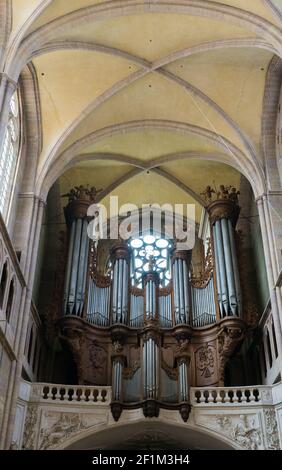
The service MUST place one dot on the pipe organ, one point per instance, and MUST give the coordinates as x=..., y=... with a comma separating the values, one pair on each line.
x=152, y=339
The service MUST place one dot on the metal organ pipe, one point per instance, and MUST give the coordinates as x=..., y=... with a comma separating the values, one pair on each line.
x=176, y=291
x=229, y=267
x=181, y=289
x=120, y=287
x=69, y=266
x=73, y=278
x=222, y=270
x=181, y=293
x=183, y=382
x=120, y=283
x=186, y=294
x=235, y=265
x=117, y=380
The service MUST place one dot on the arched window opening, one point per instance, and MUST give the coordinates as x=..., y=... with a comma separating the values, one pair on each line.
x=10, y=301
x=269, y=348
x=30, y=346
x=3, y=284
x=9, y=155
x=150, y=252
x=274, y=340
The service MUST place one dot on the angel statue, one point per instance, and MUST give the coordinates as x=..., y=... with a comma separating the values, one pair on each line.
x=233, y=195
x=82, y=192
x=223, y=192
x=72, y=195
x=209, y=191
x=93, y=193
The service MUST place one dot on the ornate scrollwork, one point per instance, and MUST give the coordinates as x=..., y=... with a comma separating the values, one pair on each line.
x=100, y=280
x=202, y=280
x=206, y=361
x=128, y=372
x=136, y=291
x=243, y=431
x=30, y=428
x=65, y=425
x=165, y=291
x=271, y=429
x=227, y=341
x=170, y=371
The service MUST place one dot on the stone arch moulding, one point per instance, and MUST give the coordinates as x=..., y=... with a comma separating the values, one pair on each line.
x=157, y=67
x=239, y=160
x=100, y=427
x=113, y=9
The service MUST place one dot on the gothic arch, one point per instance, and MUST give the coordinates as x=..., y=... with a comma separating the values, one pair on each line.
x=187, y=436
x=239, y=160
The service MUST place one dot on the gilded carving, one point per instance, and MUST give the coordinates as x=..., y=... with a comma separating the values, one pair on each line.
x=98, y=357
x=74, y=338
x=227, y=341
x=202, y=280
x=128, y=372
x=205, y=359
x=170, y=371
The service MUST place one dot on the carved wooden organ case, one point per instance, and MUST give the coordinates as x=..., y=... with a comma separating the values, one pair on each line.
x=152, y=343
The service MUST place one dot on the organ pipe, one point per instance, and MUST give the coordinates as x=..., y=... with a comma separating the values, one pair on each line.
x=120, y=257
x=76, y=270
x=223, y=217
x=181, y=287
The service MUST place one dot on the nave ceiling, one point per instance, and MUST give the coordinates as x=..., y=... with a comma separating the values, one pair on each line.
x=148, y=99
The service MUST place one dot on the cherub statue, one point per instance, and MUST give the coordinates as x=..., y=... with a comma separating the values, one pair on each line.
x=93, y=193
x=72, y=195
x=82, y=192
x=223, y=192
x=233, y=195
x=209, y=191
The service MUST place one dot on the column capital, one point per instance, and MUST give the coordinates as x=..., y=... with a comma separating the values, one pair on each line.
x=6, y=79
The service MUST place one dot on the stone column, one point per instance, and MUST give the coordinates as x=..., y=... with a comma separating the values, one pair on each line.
x=7, y=89
x=23, y=317
x=275, y=296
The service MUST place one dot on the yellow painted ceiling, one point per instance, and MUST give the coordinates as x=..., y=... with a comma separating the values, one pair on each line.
x=148, y=187
x=153, y=97
x=146, y=35
x=22, y=10
x=151, y=189
x=69, y=81
x=192, y=174
x=234, y=79
x=83, y=90
x=59, y=8
x=149, y=144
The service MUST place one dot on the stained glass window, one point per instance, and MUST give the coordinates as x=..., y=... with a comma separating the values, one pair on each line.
x=146, y=248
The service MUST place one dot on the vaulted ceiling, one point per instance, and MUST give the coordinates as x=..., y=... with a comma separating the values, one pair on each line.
x=150, y=100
